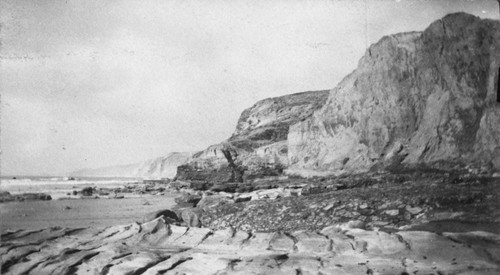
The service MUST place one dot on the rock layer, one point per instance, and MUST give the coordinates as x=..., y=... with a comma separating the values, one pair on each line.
x=258, y=146
x=415, y=98
x=421, y=97
x=158, y=248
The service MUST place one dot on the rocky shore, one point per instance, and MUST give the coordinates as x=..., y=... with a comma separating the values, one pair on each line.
x=428, y=222
x=394, y=171
x=156, y=247
x=376, y=201
x=7, y=196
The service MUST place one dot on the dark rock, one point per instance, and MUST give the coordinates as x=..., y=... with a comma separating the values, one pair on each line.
x=6, y=196
x=224, y=187
x=199, y=185
x=188, y=200
x=180, y=184
x=168, y=215
x=245, y=188
x=212, y=202
x=211, y=172
x=33, y=196
x=87, y=191
x=243, y=198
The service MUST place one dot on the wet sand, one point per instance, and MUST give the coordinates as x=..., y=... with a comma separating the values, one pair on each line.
x=77, y=213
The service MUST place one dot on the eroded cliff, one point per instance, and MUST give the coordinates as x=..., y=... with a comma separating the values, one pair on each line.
x=259, y=145
x=162, y=167
x=416, y=98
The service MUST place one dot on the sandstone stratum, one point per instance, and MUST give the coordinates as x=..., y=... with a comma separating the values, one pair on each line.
x=418, y=98
x=159, y=248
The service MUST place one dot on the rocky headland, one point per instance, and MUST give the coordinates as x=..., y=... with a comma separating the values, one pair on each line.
x=394, y=171
x=421, y=98
x=161, y=167
x=258, y=148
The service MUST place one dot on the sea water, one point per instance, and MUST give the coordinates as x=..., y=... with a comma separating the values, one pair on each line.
x=58, y=186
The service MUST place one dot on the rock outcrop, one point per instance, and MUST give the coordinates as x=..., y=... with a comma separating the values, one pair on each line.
x=415, y=98
x=162, y=167
x=159, y=248
x=259, y=145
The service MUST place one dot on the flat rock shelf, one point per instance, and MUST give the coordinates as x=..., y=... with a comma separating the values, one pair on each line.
x=156, y=247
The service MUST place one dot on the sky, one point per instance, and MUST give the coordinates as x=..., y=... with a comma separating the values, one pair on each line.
x=87, y=84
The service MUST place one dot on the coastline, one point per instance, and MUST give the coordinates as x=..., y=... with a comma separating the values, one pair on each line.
x=54, y=201
x=78, y=213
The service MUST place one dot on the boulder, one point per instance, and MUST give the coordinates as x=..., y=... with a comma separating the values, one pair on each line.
x=224, y=187
x=270, y=194
x=179, y=184
x=191, y=217
x=6, y=196
x=243, y=198
x=188, y=199
x=200, y=185
x=87, y=191
x=213, y=201
x=33, y=196
x=169, y=216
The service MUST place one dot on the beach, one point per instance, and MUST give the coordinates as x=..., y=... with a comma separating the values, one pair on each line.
x=74, y=211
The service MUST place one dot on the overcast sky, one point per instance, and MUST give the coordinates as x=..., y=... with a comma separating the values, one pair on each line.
x=87, y=84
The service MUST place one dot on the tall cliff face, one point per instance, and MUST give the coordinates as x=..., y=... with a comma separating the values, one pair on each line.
x=162, y=167
x=258, y=147
x=420, y=97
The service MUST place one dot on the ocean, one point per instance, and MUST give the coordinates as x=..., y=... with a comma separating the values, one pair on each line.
x=58, y=186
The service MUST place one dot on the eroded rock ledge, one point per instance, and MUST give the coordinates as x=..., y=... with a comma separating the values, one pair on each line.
x=159, y=248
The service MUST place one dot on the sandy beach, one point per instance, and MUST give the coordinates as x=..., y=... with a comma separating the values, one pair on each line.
x=72, y=210
x=75, y=213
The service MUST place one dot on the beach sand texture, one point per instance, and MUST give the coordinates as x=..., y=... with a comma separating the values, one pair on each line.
x=79, y=212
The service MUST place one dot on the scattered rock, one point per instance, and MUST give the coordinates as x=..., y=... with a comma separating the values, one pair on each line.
x=188, y=200
x=191, y=217
x=355, y=224
x=392, y=212
x=169, y=216
x=243, y=198
x=414, y=210
x=225, y=187
x=87, y=191
x=211, y=202
x=25, y=196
